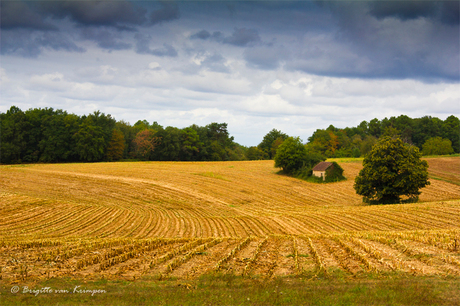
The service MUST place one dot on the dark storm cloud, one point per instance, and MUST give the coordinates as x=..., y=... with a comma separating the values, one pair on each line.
x=117, y=14
x=122, y=15
x=143, y=47
x=17, y=14
x=444, y=11
x=450, y=12
x=240, y=37
x=402, y=9
x=386, y=39
x=168, y=12
x=31, y=43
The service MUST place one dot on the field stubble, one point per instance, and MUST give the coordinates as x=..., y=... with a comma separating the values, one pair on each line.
x=126, y=220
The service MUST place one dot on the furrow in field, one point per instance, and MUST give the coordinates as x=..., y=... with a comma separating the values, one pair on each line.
x=344, y=260
x=81, y=224
x=267, y=260
x=432, y=256
x=72, y=220
x=325, y=261
x=400, y=260
x=46, y=217
x=387, y=218
x=286, y=258
x=307, y=261
x=204, y=261
x=351, y=222
x=42, y=225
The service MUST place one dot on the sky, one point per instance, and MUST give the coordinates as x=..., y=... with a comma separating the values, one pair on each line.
x=295, y=66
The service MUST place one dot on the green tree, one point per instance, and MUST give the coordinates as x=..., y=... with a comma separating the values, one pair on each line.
x=57, y=143
x=326, y=142
x=267, y=144
x=13, y=135
x=90, y=143
x=392, y=169
x=451, y=131
x=437, y=146
x=190, y=144
x=367, y=144
x=255, y=153
x=291, y=155
x=374, y=127
x=169, y=144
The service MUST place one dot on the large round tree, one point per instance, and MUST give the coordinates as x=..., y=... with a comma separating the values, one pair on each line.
x=392, y=169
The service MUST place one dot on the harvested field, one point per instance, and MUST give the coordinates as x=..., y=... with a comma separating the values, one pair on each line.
x=125, y=220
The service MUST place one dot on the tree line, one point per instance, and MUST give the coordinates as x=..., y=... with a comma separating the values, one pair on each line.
x=431, y=135
x=48, y=135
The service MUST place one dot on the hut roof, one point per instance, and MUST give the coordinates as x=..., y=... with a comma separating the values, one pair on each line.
x=322, y=166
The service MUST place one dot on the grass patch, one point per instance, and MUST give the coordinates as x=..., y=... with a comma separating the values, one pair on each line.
x=235, y=290
x=346, y=159
x=212, y=175
x=443, y=179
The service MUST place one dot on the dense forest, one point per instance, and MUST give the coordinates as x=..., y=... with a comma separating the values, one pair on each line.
x=48, y=135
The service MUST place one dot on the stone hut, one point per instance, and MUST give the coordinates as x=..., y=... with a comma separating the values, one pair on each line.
x=320, y=169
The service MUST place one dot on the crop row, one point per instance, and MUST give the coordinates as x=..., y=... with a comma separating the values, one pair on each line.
x=353, y=253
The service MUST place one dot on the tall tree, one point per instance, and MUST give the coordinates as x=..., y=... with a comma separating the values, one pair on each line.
x=190, y=145
x=90, y=142
x=57, y=144
x=13, y=135
x=451, y=131
x=273, y=137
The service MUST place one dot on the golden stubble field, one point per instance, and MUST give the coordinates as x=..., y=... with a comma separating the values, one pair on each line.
x=125, y=220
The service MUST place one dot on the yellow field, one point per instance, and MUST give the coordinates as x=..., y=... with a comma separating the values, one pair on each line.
x=187, y=219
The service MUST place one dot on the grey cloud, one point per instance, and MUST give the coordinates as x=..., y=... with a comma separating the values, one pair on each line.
x=218, y=36
x=241, y=37
x=266, y=57
x=16, y=14
x=215, y=62
x=168, y=12
x=104, y=38
x=203, y=34
x=143, y=47
x=30, y=44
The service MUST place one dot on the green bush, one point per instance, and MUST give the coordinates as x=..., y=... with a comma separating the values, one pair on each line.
x=334, y=173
